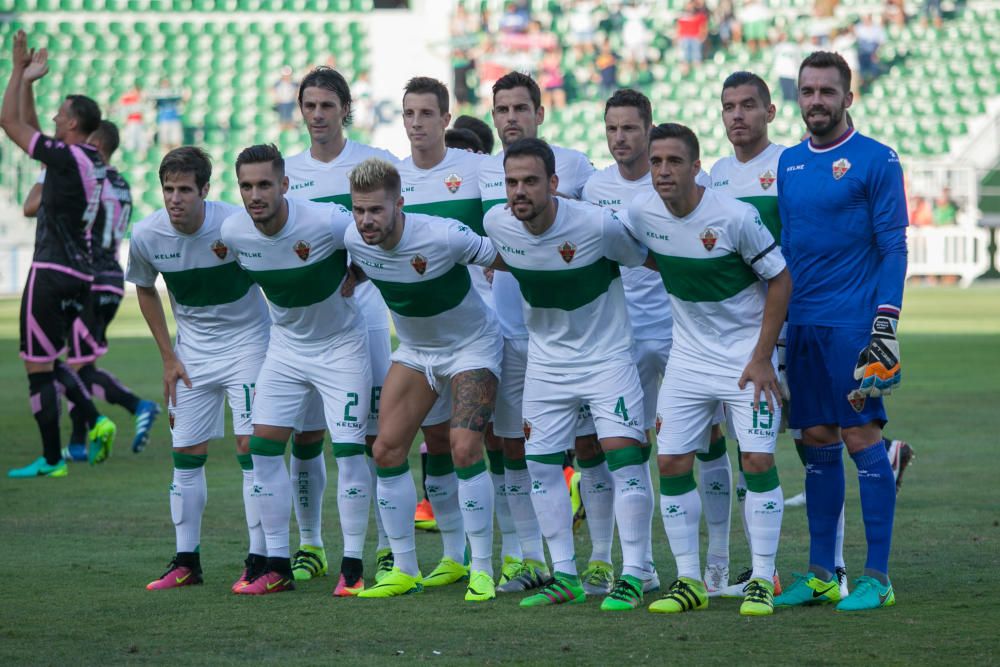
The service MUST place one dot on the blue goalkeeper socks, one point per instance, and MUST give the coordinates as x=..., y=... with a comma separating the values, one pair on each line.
x=824, y=500
x=878, y=506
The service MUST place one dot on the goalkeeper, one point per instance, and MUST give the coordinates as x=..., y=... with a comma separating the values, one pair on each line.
x=843, y=212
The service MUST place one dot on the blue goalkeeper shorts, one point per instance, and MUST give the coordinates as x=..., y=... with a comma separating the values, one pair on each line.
x=820, y=366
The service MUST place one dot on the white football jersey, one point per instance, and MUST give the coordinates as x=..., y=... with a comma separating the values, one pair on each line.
x=426, y=285
x=755, y=182
x=449, y=189
x=217, y=307
x=573, y=169
x=309, y=178
x=300, y=270
x=570, y=281
x=713, y=263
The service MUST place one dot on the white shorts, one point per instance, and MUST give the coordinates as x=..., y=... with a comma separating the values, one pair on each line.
x=441, y=410
x=440, y=367
x=650, y=357
x=507, y=417
x=689, y=402
x=198, y=415
x=553, y=402
x=380, y=351
x=292, y=385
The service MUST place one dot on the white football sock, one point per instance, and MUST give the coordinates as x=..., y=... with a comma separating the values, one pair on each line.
x=274, y=502
x=838, y=554
x=765, y=510
x=397, y=502
x=383, y=539
x=442, y=491
x=597, y=490
x=634, y=513
x=681, y=516
x=522, y=511
x=475, y=497
x=257, y=544
x=741, y=498
x=509, y=544
x=550, y=498
x=188, y=496
x=715, y=483
x=308, y=484
x=353, y=502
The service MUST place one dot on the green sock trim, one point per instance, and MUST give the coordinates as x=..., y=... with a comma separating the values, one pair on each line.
x=621, y=458
x=345, y=449
x=716, y=450
x=393, y=472
x=800, y=449
x=647, y=451
x=189, y=461
x=515, y=464
x=548, y=459
x=594, y=462
x=677, y=485
x=471, y=471
x=265, y=447
x=496, y=461
x=306, y=451
x=440, y=465
x=370, y=450
x=246, y=461
x=762, y=482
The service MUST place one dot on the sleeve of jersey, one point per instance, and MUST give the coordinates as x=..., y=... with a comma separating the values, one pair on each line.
x=783, y=213
x=584, y=172
x=340, y=222
x=139, y=271
x=49, y=151
x=619, y=244
x=467, y=247
x=758, y=248
x=887, y=203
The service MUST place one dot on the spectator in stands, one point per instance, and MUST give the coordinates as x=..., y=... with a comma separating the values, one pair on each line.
x=692, y=30
x=931, y=10
x=920, y=212
x=635, y=35
x=285, y=92
x=756, y=21
x=582, y=25
x=871, y=37
x=464, y=39
x=894, y=13
x=131, y=104
x=169, y=127
x=945, y=209
x=724, y=18
x=787, y=56
x=480, y=128
x=845, y=43
x=552, y=81
x=516, y=17
x=607, y=69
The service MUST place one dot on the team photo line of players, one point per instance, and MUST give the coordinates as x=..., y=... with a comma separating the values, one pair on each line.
x=269, y=299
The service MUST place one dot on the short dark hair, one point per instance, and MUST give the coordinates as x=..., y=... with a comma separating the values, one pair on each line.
x=86, y=112
x=261, y=153
x=187, y=160
x=512, y=80
x=107, y=135
x=427, y=85
x=464, y=139
x=677, y=131
x=627, y=97
x=826, y=59
x=479, y=127
x=330, y=79
x=532, y=147
x=737, y=79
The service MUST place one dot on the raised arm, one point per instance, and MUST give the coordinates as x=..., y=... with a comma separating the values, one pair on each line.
x=28, y=66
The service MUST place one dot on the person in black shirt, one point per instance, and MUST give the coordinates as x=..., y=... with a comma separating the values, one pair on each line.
x=62, y=267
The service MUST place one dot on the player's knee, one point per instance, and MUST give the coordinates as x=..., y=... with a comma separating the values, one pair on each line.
x=513, y=448
x=756, y=462
x=387, y=453
x=587, y=447
x=308, y=437
x=671, y=465
x=275, y=433
x=466, y=451
x=243, y=444
x=857, y=438
x=201, y=449
x=818, y=436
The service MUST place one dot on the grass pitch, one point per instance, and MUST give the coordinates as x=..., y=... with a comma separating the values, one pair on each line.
x=80, y=550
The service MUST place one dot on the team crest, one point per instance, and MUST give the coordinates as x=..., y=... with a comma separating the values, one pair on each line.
x=419, y=264
x=453, y=183
x=840, y=168
x=302, y=249
x=708, y=239
x=220, y=249
x=567, y=250
x=659, y=422
x=766, y=180
x=526, y=427
x=857, y=400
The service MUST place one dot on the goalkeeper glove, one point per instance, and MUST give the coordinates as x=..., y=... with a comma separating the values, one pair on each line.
x=878, y=368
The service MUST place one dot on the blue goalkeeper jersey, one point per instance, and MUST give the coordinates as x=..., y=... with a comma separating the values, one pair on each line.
x=843, y=214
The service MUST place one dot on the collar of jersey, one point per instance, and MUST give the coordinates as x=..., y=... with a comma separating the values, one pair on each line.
x=839, y=142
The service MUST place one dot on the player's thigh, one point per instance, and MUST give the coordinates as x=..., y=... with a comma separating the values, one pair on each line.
x=241, y=389
x=346, y=393
x=614, y=395
x=419, y=361
x=440, y=412
x=853, y=409
x=809, y=381
x=754, y=426
x=651, y=360
x=51, y=301
x=551, y=406
x=380, y=356
x=281, y=389
x=406, y=399
x=507, y=416
x=684, y=414
x=198, y=415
